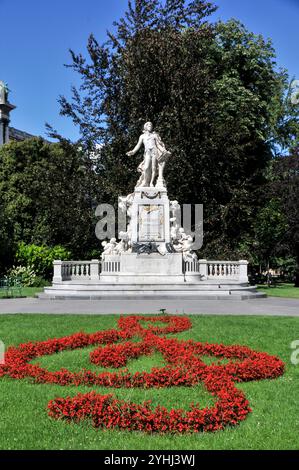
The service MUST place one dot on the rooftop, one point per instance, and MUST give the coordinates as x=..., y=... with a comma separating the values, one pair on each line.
x=16, y=134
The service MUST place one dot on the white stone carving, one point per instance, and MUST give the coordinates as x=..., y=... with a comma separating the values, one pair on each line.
x=124, y=245
x=109, y=247
x=175, y=220
x=155, y=157
x=125, y=205
x=183, y=244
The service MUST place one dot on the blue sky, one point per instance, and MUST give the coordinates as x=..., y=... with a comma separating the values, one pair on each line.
x=36, y=36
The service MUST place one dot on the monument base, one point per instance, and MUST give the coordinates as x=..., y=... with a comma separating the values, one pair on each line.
x=154, y=260
x=143, y=268
x=131, y=276
x=128, y=291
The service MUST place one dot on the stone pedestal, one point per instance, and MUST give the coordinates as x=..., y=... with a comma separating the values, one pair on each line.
x=243, y=270
x=142, y=268
x=57, y=274
x=150, y=258
x=150, y=216
x=149, y=267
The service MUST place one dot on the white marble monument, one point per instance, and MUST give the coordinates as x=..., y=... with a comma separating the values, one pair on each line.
x=153, y=258
x=154, y=246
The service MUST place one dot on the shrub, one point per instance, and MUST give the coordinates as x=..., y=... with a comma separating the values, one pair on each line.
x=40, y=282
x=25, y=273
x=40, y=257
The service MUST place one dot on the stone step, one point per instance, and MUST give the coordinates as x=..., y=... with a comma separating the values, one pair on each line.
x=151, y=295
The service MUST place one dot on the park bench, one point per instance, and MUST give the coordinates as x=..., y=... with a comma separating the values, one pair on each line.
x=11, y=286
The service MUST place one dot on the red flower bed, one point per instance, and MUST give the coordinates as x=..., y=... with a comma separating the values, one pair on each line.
x=183, y=367
x=118, y=355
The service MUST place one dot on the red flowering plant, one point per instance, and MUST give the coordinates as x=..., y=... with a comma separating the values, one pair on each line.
x=184, y=366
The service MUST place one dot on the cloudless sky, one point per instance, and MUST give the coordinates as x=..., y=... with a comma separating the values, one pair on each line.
x=37, y=34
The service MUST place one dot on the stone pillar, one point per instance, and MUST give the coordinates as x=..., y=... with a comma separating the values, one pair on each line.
x=203, y=268
x=94, y=269
x=57, y=275
x=243, y=271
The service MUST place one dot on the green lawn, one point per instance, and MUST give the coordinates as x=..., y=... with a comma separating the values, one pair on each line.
x=273, y=424
x=281, y=290
x=26, y=292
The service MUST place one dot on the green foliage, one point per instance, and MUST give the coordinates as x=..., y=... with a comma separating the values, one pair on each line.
x=269, y=228
x=41, y=257
x=213, y=92
x=223, y=108
x=274, y=237
x=6, y=242
x=285, y=185
x=287, y=267
x=47, y=197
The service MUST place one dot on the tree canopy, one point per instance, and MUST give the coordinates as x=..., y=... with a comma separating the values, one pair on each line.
x=46, y=197
x=219, y=101
x=215, y=95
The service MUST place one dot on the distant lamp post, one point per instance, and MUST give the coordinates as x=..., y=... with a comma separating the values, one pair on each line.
x=5, y=109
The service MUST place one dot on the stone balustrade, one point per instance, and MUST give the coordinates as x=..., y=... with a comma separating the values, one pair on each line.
x=235, y=270
x=191, y=266
x=206, y=269
x=76, y=270
x=112, y=266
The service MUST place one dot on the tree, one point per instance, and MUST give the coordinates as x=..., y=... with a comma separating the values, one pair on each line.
x=6, y=243
x=264, y=244
x=213, y=92
x=275, y=231
x=285, y=185
x=47, y=194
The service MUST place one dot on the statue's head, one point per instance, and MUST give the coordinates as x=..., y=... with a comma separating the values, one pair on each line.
x=148, y=126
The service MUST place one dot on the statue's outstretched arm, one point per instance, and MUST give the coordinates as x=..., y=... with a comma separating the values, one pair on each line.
x=135, y=149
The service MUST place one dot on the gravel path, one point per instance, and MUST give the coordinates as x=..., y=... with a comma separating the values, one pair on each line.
x=269, y=306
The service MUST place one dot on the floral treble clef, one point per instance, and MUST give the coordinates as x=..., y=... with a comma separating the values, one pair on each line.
x=184, y=367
